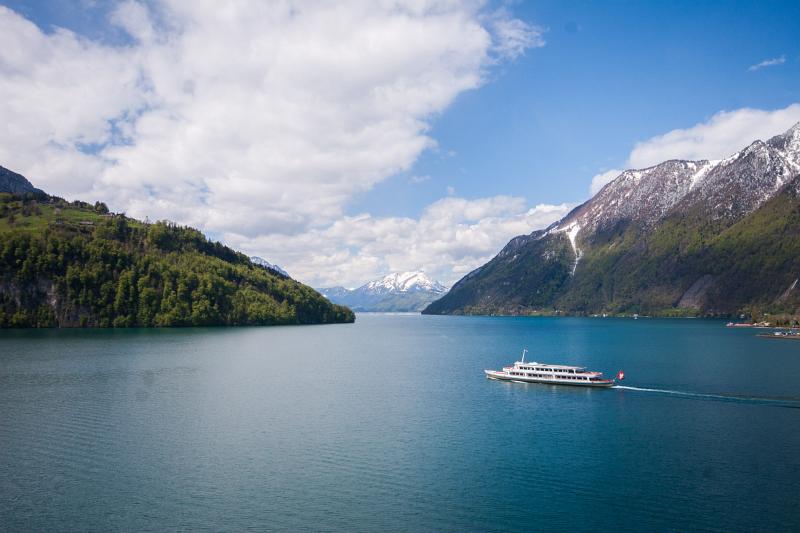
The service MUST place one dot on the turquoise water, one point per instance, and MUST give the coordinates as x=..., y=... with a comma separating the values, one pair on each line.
x=389, y=424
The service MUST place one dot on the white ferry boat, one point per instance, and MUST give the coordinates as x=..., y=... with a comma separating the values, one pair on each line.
x=533, y=372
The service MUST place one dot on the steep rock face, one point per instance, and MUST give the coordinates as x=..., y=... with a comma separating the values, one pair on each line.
x=670, y=237
x=14, y=183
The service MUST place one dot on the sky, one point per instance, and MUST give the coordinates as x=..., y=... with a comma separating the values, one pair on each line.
x=347, y=140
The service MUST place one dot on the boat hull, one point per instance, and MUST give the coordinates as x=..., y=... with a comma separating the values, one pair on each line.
x=503, y=376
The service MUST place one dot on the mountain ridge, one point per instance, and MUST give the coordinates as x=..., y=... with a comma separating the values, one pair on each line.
x=395, y=292
x=260, y=261
x=13, y=183
x=676, y=211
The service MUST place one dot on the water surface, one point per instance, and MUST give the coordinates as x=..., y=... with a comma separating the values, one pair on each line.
x=389, y=424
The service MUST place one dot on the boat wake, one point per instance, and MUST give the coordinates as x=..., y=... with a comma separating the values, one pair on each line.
x=792, y=403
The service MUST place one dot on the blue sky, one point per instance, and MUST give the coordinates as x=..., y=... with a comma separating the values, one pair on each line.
x=610, y=75
x=348, y=140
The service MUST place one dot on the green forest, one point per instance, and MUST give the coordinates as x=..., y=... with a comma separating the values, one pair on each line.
x=74, y=264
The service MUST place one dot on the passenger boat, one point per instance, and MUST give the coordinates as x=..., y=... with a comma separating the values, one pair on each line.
x=533, y=372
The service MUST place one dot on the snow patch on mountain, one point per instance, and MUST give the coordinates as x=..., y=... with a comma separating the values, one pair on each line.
x=733, y=186
x=703, y=168
x=572, y=233
x=260, y=261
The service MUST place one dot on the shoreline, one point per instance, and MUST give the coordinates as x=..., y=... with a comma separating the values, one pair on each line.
x=793, y=337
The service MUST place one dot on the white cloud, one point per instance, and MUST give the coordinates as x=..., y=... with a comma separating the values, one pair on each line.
x=722, y=135
x=452, y=237
x=514, y=36
x=768, y=63
x=600, y=180
x=259, y=119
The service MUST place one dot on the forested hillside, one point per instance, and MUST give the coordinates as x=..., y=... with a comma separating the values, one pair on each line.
x=75, y=264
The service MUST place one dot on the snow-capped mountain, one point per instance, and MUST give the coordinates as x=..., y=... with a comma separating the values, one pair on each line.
x=731, y=187
x=400, y=282
x=726, y=188
x=399, y=291
x=260, y=261
x=639, y=241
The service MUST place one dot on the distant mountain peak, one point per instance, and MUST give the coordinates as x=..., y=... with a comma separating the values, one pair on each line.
x=398, y=291
x=794, y=130
x=260, y=261
x=406, y=282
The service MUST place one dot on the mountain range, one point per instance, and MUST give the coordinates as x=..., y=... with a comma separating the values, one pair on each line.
x=396, y=292
x=709, y=237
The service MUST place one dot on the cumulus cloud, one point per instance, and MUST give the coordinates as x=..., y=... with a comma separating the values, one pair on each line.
x=722, y=135
x=768, y=63
x=600, y=180
x=259, y=119
x=452, y=237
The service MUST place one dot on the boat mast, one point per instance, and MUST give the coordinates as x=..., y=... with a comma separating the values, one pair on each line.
x=524, y=351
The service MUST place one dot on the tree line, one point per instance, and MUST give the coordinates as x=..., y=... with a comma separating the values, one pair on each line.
x=118, y=272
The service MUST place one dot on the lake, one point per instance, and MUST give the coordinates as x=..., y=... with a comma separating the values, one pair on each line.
x=390, y=424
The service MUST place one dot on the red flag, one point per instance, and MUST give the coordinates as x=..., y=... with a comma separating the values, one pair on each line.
x=621, y=375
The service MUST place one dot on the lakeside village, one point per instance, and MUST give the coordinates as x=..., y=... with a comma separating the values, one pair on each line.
x=785, y=328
